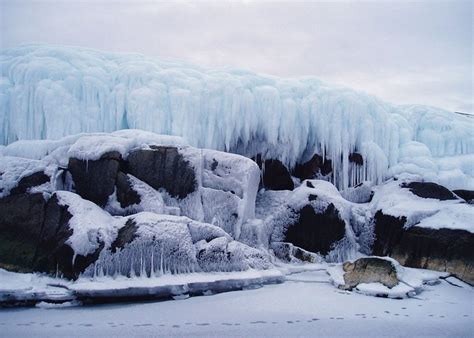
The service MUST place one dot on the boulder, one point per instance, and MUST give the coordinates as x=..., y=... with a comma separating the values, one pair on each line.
x=21, y=220
x=54, y=253
x=467, y=195
x=30, y=181
x=316, y=231
x=369, y=270
x=163, y=167
x=275, y=176
x=448, y=250
x=126, y=195
x=289, y=253
x=429, y=190
x=316, y=165
x=94, y=180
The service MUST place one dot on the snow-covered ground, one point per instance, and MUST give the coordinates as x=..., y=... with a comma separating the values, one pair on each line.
x=305, y=305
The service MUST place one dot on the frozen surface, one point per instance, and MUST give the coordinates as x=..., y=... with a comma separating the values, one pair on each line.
x=48, y=92
x=32, y=286
x=306, y=305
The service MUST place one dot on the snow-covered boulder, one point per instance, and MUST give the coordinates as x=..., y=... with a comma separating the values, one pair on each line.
x=369, y=270
x=381, y=277
x=150, y=244
x=424, y=225
x=22, y=175
x=316, y=218
x=129, y=171
x=289, y=253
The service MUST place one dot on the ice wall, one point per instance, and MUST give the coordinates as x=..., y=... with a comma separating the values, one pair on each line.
x=47, y=92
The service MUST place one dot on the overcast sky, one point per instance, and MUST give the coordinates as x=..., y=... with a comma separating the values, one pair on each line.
x=404, y=52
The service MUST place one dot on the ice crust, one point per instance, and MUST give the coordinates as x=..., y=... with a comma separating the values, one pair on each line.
x=47, y=92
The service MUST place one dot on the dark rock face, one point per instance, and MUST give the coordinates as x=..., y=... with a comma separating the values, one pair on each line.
x=95, y=180
x=30, y=181
x=21, y=219
x=314, y=166
x=316, y=232
x=442, y=250
x=53, y=253
x=430, y=190
x=275, y=175
x=369, y=270
x=125, y=235
x=467, y=195
x=163, y=167
x=125, y=193
x=356, y=158
x=34, y=234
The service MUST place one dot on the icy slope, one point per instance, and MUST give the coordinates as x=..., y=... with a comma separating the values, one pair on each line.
x=47, y=92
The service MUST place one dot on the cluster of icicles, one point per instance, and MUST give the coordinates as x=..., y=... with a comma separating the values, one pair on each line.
x=141, y=259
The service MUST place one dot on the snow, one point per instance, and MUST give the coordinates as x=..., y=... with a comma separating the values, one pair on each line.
x=327, y=193
x=227, y=183
x=395, y=201
x=13, y=169
x=305, y=305
x=21, y=287
x=52, y=91
x=90, y=224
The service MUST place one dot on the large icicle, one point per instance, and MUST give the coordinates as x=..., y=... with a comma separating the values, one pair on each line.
x=47, y=92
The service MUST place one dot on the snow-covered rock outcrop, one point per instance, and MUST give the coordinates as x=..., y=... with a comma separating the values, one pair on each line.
x=48, y=92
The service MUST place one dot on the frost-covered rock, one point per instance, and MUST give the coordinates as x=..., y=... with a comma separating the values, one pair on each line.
x=129, y=171
x=316, y=218
x=287, y=252
x=152, y=245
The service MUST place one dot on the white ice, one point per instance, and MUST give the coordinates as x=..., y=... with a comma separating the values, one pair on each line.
x=47, y=92
x=305, y=305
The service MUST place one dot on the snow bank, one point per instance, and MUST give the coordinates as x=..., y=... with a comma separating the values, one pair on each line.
x=50, y=91
x=31, y=287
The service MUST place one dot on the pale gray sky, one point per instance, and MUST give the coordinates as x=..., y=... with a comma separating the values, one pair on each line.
x=401, y=51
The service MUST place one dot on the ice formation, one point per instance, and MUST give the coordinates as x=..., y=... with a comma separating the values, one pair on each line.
x=47, y=92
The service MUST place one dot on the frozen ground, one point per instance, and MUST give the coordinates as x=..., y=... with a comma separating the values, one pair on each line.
x=306, y=305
